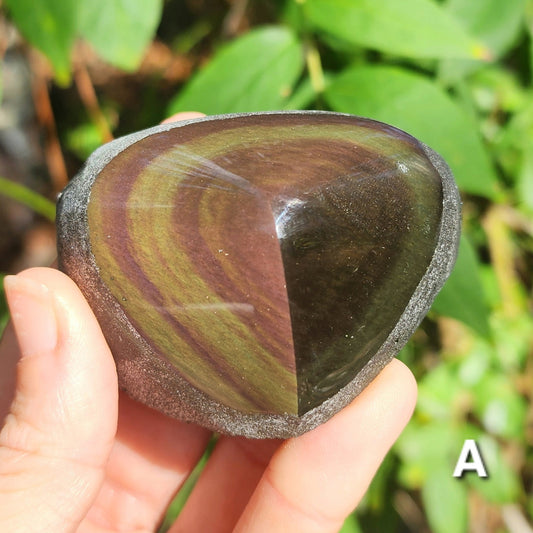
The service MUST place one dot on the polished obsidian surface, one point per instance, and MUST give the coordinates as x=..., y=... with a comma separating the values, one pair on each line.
x=262, y=260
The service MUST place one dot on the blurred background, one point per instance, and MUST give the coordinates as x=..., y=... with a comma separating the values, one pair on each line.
x=457, y=74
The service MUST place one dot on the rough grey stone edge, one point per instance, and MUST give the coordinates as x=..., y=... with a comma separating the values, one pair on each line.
x=191, y=404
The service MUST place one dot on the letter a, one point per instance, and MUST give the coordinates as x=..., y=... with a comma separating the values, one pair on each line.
x=470, y=449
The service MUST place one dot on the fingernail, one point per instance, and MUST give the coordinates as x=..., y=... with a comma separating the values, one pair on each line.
x=33, y=314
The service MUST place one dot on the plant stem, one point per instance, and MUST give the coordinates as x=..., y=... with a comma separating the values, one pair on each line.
x=45, y=114
x=314, y=67
x=30, y=198
x=502, y=253
x=87, y=93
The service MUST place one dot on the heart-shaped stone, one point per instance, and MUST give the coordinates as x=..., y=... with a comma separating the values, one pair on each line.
x=254, y=272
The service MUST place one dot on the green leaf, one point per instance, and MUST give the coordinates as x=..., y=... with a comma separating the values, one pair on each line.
x=462, y=295
x=417, y=105
x=495, y=89
x=500, y=406
x=119, y=30
x=302, y=97
x=496, y=23
x=84, y=139
x=475, y=363
x=26, y=196
x=351, y=525
x=424, y=449
x=304, y=94
x=515, y=148
x=50, y=26
x=525, y=178
x=512, y=341
x=503, y=484
x=445, y=502
x=412, y=28
x=256, y=72
x=179, y=501
x=529, y=27
x=376, y=496
x=439, y=390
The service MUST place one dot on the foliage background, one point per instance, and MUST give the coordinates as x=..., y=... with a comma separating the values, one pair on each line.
x=457, y=74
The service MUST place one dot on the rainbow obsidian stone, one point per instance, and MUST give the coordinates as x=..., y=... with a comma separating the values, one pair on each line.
x=253, y=273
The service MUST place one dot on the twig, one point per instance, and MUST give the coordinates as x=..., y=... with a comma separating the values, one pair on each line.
x=88, y=96
x=411, y=514
x=516, y=220
x=45, y=115
x=4, y=39
x=515, y=520
x=234, y=18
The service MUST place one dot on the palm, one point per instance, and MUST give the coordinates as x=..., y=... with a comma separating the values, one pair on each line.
x=152, y=456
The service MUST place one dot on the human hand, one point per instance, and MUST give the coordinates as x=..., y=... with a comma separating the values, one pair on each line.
x=77, y=455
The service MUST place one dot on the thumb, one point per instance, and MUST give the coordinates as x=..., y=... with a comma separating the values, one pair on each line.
x=58, y=434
